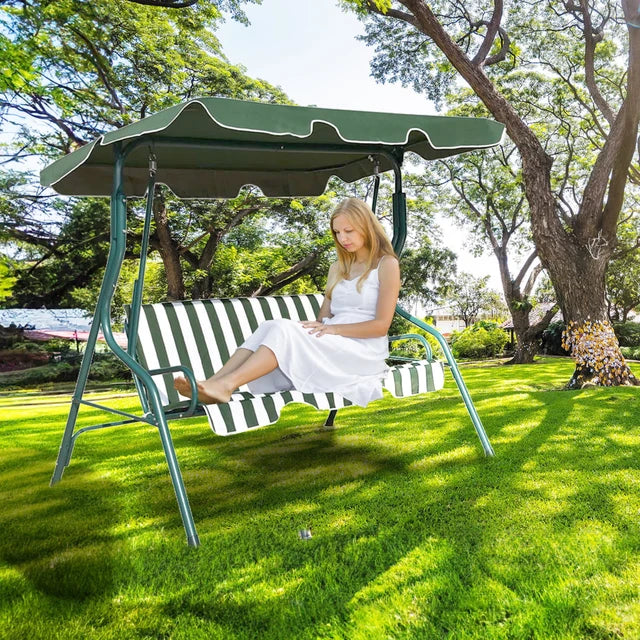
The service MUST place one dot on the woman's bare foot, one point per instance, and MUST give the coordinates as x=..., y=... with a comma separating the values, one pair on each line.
x=211, y=391
x=182, y=386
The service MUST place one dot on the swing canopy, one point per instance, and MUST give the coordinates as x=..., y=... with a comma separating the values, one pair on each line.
x=212, y=147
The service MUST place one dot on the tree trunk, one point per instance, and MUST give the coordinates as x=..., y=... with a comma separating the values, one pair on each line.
x=526, y=351
x=168, y=249
x=526, y=339
x=589, y=336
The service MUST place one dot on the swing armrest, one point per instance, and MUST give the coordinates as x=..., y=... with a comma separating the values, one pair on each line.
x=415, y=336
x=193, y=403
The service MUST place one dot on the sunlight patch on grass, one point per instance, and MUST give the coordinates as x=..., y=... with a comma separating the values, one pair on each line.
x=343, y=489
x=460, y=455
x=392, y=603
x=556, y=486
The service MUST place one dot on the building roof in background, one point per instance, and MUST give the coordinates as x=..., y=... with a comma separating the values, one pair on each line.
x=54, y=319
x=535, y=315
x=82, y=336
x=45, y=324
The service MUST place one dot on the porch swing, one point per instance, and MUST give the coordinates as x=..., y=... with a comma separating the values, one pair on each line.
x=211, y=148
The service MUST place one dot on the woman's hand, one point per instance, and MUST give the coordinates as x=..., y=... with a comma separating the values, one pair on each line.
x=319, y=328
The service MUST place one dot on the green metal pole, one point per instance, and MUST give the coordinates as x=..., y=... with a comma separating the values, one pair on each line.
x=66, y=446
x=462, y=387
x=145, y=378
x=399, y=222
x=398, y=241
x=138, y=286
x=103, y=312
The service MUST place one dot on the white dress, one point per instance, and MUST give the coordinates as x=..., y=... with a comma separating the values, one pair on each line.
x=352, y=367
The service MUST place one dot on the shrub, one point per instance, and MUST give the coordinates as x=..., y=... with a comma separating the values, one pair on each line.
x=105, y=367
x=62, y=372
x=631, y=353
x=410, y=348
x=12, y=359
x=628, y=333
x=481, y=340
x=552, y=340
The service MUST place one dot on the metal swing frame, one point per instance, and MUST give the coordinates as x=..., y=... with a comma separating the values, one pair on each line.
x=153, y=411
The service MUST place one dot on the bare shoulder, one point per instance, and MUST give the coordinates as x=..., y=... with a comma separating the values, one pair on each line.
x=389, y=266
x=334, y=270
x=332, y=275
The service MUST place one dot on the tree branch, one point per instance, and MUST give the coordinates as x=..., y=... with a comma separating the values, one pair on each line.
x=392, y=13
x=533, y=276
x=167, y=4
x=624, y=130
x=289, y=275
x=493, y=27
x=591, y=39
x=100, y=68
x=546, y=319
x=536, y=163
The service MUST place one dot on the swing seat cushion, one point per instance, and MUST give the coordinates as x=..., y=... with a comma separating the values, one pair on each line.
x=203, y=334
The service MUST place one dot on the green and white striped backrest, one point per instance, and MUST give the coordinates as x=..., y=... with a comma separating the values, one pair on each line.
x=203, y=334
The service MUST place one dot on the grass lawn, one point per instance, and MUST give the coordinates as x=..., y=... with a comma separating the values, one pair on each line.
x=414, y=533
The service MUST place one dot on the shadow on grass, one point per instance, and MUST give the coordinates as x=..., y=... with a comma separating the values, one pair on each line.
x=53, y=537
x=441, y=542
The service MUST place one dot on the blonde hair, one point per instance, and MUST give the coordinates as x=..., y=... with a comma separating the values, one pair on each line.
x=364, y=221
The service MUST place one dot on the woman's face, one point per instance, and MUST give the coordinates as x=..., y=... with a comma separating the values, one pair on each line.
x=347, y=235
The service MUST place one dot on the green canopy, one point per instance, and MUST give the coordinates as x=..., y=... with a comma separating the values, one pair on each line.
x=211, y=147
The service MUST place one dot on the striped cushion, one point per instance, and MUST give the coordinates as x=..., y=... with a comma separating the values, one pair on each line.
x=202, y=335
x=412, y=378
x=246, y=411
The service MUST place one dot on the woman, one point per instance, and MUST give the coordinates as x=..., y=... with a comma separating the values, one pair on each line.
x=344, y=350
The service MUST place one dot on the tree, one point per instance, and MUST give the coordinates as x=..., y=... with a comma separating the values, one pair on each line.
x=469, y=296
x=231, y=5
x=623, y=274
x=555, y=58
x=6, y=279
x=483, y=191
x=167, y=4
x=79, y=69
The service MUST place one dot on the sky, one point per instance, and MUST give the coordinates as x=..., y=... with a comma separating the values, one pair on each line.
x=309, y=49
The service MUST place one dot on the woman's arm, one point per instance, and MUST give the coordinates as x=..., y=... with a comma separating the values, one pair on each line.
x=325, y=309
x=389, y=276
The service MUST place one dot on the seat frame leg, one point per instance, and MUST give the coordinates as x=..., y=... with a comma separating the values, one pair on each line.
x=329, y=422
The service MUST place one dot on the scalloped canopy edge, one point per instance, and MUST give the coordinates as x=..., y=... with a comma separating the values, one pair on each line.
x=212, y=147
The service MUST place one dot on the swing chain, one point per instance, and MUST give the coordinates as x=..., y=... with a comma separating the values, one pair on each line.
x=376, y=165
x=153, y=164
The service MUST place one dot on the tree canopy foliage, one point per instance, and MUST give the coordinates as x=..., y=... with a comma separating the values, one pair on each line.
x=76, y=70
x=81, y=69
x=564, y=77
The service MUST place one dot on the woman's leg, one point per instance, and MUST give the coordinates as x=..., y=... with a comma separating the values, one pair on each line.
x=219, y=388
x=240, y=355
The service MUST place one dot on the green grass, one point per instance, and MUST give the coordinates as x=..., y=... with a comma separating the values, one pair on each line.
x=415, y=533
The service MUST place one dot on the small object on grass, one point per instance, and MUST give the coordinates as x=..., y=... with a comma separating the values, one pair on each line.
x=305, y=534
